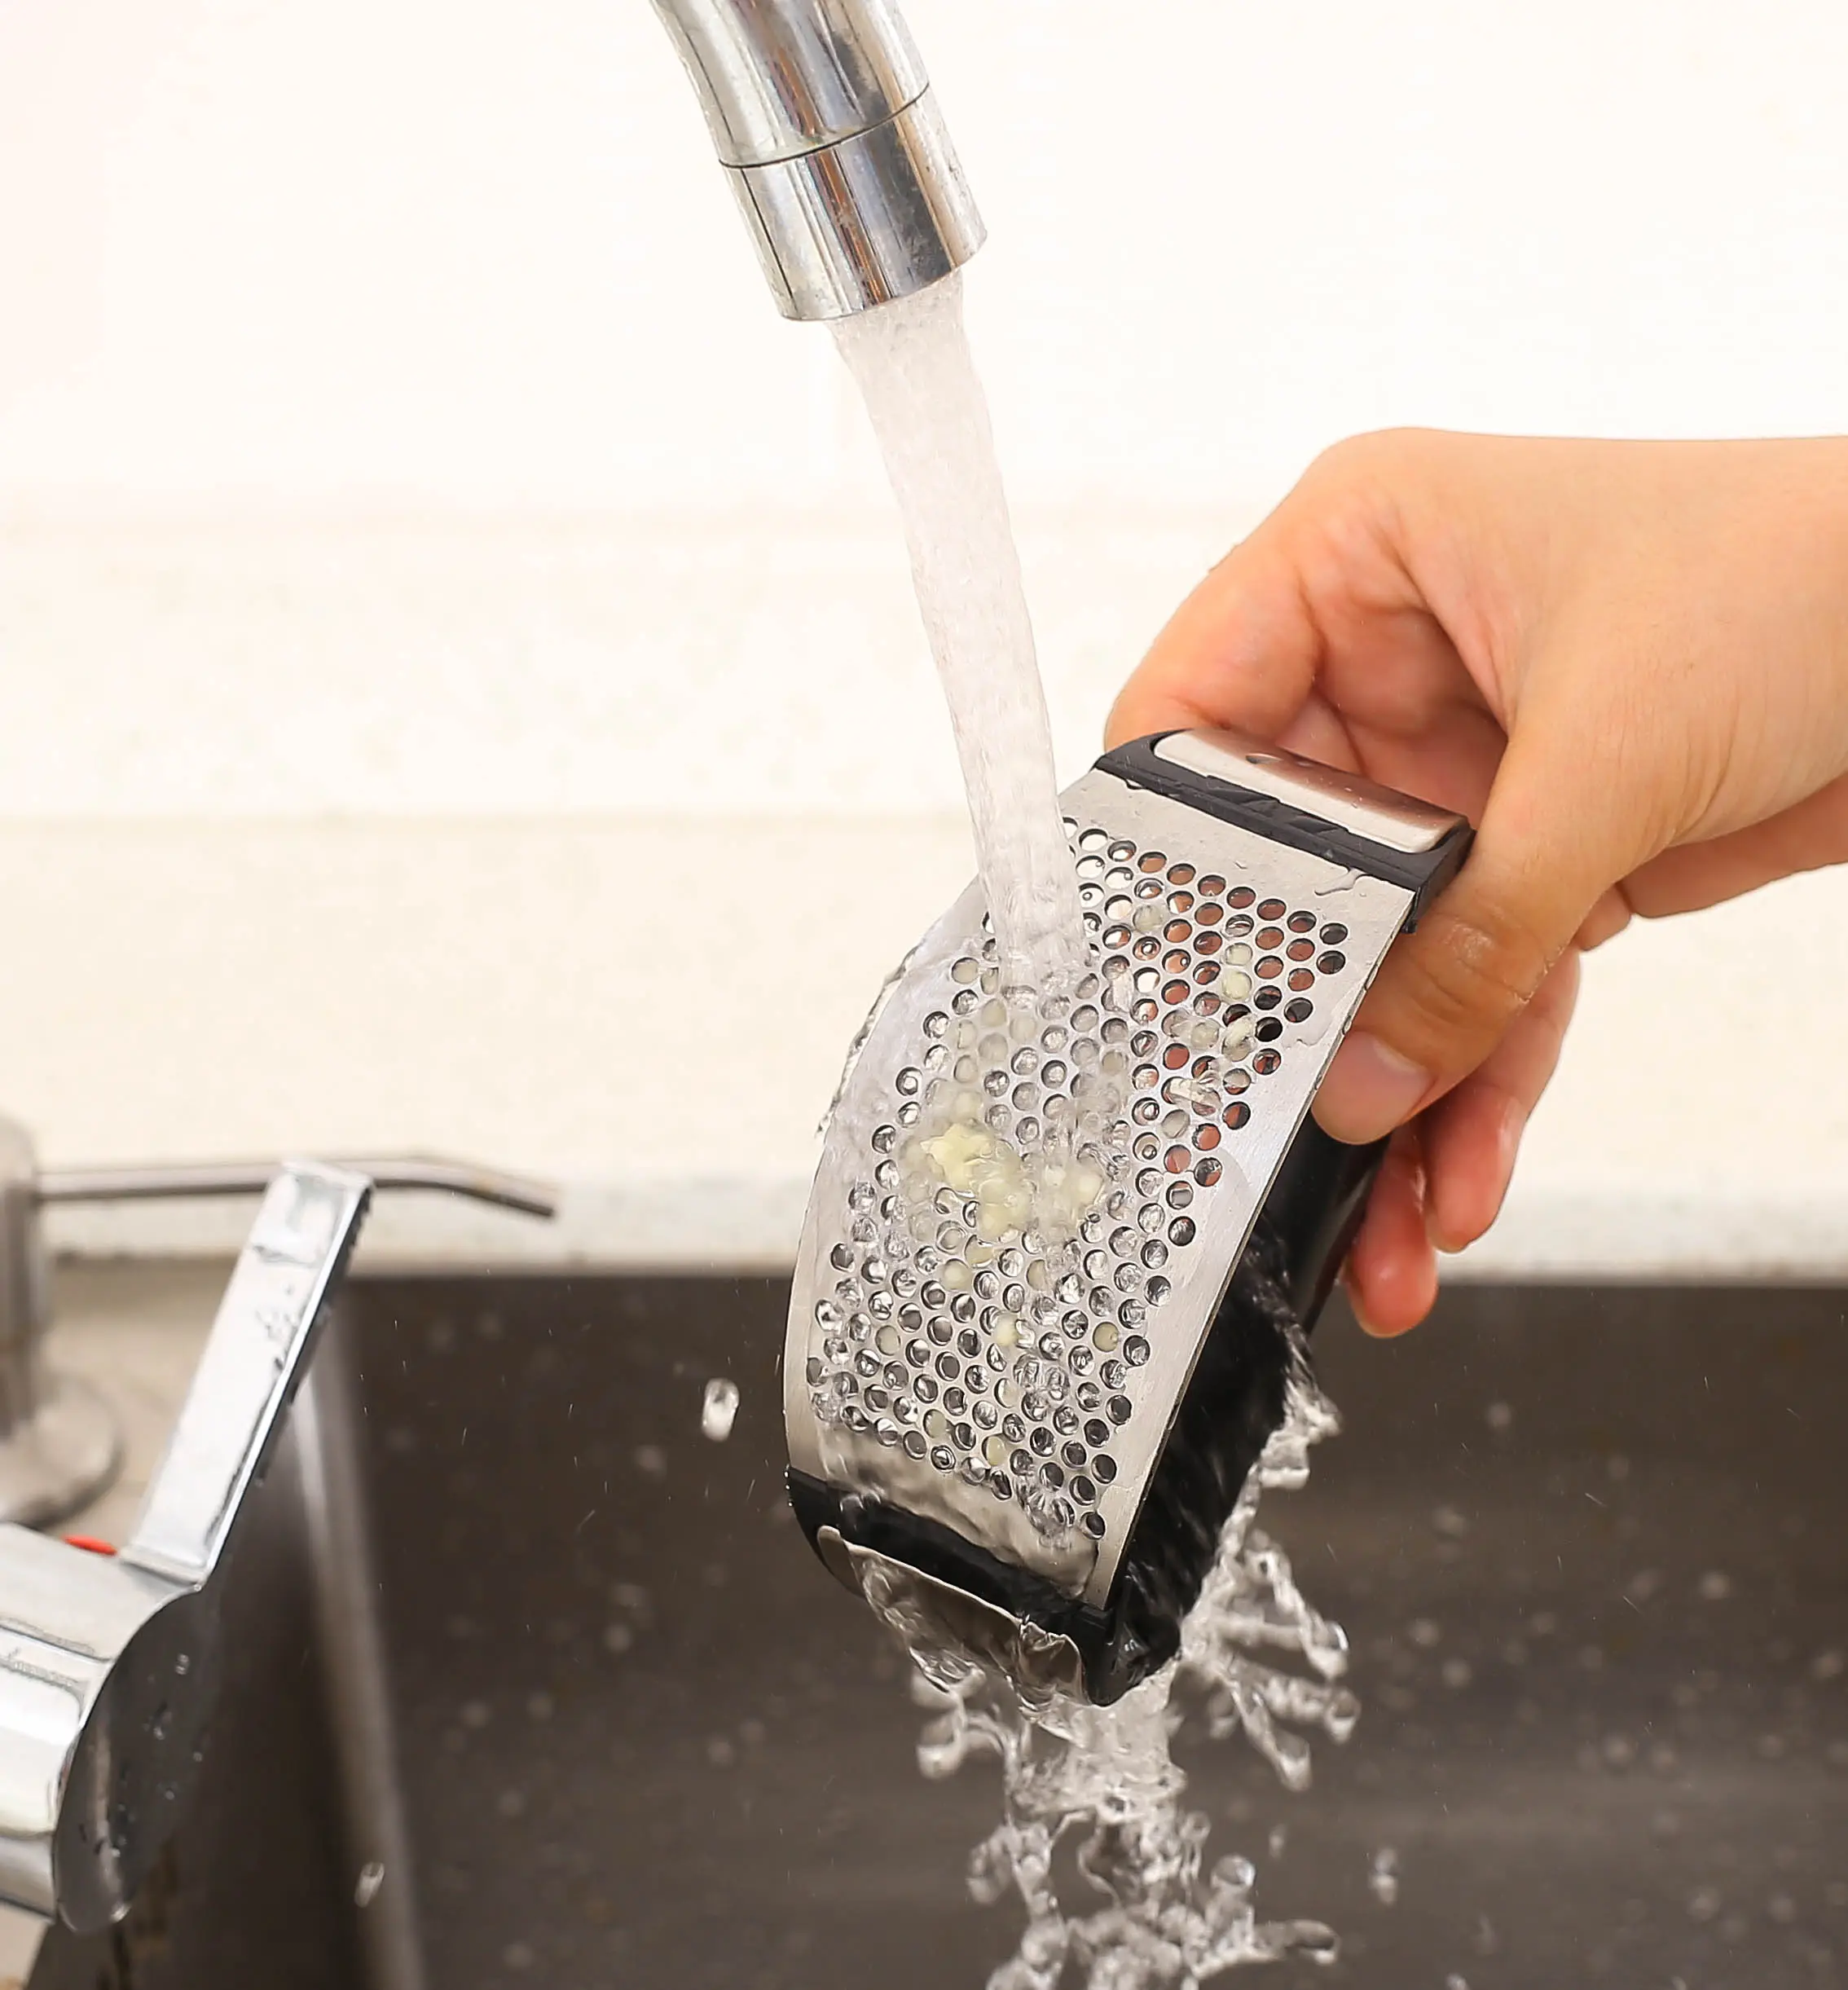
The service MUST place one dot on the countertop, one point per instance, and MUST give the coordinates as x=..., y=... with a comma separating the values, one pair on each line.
x=655, y=1013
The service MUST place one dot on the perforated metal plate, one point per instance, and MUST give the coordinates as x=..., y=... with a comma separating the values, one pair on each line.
x=987, y=1363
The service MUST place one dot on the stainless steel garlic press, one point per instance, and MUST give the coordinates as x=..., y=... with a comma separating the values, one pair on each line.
x=1061, y=1252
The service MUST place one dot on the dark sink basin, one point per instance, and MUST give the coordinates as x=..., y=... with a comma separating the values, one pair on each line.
x=1591, y=1549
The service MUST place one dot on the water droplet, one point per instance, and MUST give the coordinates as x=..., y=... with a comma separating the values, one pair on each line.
x=1382, y=1877
x=720, y=1409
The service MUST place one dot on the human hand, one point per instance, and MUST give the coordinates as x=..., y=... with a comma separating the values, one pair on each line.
x=1626, y=663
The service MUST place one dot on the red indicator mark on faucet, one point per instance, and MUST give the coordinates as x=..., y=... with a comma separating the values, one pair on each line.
x=89, y=1543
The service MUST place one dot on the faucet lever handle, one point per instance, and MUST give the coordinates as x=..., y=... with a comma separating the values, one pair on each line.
x=256, y=1354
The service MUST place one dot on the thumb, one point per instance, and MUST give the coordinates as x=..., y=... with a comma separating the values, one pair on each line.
x=1546, y=850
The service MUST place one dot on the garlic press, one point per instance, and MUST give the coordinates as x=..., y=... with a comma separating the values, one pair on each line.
x=1061, y=1251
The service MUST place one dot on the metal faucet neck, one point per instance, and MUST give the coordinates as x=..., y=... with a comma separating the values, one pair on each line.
x=822, y=116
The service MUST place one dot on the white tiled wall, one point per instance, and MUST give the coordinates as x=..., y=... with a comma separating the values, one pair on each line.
x=393, y=425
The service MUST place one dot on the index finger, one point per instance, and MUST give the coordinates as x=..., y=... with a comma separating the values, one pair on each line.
x=1241, y=650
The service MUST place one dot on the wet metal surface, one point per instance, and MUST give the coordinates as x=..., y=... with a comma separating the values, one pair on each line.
x=254, y=1889
x=1591, y=1549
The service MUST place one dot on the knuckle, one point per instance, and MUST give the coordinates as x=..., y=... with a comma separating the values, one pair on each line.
x=1475, y=970
x=1363, y=458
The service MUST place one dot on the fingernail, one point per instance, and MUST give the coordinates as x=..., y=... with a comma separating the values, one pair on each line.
x=1360, y=1319
x=1370, y=1090
x=1507, y=1150
x=1367, y=1324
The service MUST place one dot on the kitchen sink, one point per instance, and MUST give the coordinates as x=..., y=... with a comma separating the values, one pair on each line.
x=544, y=1687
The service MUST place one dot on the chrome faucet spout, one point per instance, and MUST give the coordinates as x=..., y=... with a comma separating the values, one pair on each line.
x=824, y=122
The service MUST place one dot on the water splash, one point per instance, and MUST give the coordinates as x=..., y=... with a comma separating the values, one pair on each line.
x=911, y=362
x=1104, y=1781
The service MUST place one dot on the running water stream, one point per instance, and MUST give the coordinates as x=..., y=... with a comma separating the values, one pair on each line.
x=1102, y=1784
x=1100, y=1780
x=912, y=361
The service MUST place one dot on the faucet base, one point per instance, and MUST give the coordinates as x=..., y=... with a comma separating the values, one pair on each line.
x=60, y=1458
